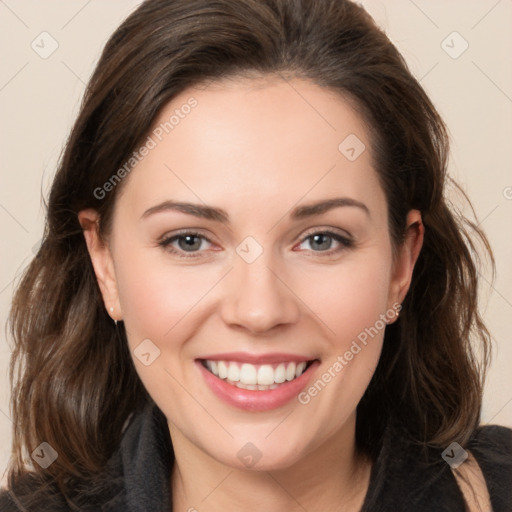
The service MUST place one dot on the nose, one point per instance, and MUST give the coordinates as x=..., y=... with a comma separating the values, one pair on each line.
x=257, y=297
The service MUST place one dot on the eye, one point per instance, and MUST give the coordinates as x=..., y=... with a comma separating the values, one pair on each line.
x=188, y=244
x=183, y=243
x=322, y=241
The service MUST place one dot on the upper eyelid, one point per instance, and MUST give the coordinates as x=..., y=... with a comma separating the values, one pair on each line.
x=307, y=233
x=336, y=231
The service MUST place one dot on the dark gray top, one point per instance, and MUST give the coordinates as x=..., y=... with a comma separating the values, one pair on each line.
x=140, y=470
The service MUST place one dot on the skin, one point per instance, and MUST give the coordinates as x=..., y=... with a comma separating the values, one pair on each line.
x=257, y=148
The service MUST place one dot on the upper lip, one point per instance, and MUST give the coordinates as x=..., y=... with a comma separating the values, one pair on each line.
x=245, y=357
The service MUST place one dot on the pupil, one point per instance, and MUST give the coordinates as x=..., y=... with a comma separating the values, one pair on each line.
x=189, y=241
x=320, y=237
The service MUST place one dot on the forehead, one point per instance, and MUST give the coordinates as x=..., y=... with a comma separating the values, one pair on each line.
x=253, y=140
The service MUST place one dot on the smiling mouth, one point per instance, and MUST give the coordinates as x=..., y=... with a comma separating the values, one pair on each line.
x=256, y=377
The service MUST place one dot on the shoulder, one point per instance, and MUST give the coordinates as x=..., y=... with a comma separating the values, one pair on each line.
x=30, y=493
x=27, y=493
x=492, y=439
x=7, y=503
x=491, y=446
x=132, y=475
x=408, y=475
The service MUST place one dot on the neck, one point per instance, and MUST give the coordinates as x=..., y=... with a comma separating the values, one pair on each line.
x=332, y=477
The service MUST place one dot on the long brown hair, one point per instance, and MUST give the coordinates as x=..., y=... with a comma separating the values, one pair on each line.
x=74, y=384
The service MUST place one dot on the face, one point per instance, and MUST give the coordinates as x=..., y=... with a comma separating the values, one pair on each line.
x=251, y=262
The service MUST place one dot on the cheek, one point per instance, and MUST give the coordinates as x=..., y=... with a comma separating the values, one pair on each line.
x=162, y=303
x=156, y=296
x=350, y=296
x=351, y=302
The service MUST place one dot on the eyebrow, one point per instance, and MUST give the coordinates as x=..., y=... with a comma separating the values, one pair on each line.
x=220, y=215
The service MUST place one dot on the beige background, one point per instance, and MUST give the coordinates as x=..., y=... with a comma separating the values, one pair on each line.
x=39, y=99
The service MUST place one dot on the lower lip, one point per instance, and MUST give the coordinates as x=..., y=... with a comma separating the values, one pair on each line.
x=250, y=400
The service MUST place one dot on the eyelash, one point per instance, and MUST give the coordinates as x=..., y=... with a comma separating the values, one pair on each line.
x=166, y=242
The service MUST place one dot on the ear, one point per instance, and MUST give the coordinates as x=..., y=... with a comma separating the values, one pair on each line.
x=405, y=259
x=102, y=262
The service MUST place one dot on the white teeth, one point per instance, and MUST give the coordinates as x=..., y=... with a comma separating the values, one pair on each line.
x=223, y=369
x=300, y=369
x=248, y=374
x=233, y=372
x=255, y=377
x=290, y=371
x=265, y=375
x=280, y=374
x=251, y=387
x=254, y=387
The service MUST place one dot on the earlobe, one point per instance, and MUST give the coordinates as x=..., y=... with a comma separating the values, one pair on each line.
x=102, y=261
x=406, y=258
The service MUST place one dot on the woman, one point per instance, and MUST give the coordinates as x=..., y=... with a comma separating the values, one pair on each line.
x=252, y=293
